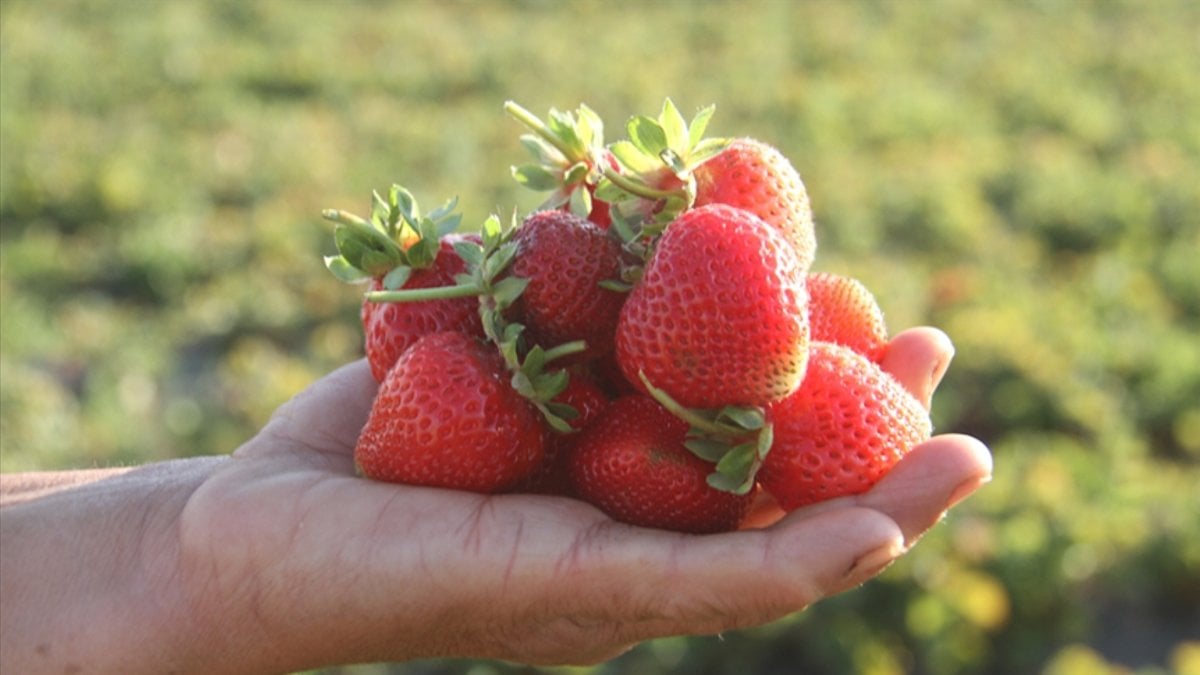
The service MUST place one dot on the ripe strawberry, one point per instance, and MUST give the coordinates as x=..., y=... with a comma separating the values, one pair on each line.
x=841, y=431
x=399, y=247
x=588, y=400
x=758, y=178
x=446, y=416
x=631, y=463
x=842, y=310
x=720, y=315
x=565, y=258
x=391, y=327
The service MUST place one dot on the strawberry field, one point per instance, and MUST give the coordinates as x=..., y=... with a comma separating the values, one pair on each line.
x=1024, y=175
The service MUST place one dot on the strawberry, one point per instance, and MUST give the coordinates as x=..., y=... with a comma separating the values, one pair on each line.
x=391, y=327
x=671, y=167
x=588, y=400
x=842, y=310
x=399, y=247
x=758, y=178
x=841, y=431
x=631, y=463
x=446, y=416
x=719, y=317
x=566, y=258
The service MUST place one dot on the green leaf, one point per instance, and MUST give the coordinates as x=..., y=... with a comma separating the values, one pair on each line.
x=699, y=126
x=706, y=150
x=766, y=439
x=491, y=233
x=521, y=383
x=343, y=270
x=381, y=214
x=512, y=332
x=674, y=162
x=448, y=224
x=563, y=410
x=354, y=237
x=507, y=290
x=556, y=423
x=647, y=135
x=536, y=177
x=674, y=127
x=707, y=449
x=575, y=175
x=375, y=263
x=608, y=191
x=633, y=158
x=551, y=384
x=736, y=470
x=499, y=260
x=737, y=485
x=750, y=419
x=396, y=279
x=405, y=203
x=581, y=202
x=535, y=360
x=470, y=252
x=616, y=285
x=542, y=152
x=508, y=350
x=562, y=125
x=592, y=124
x=441, y=212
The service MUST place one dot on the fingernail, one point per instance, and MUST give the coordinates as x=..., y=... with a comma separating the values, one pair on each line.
x=873, y=562
x=965, y=489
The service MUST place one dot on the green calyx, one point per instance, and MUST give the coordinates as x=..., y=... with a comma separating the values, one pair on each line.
x=735, y=438
x=487, y=262
x=568, y=156
x=658, y=160
x=394, y=240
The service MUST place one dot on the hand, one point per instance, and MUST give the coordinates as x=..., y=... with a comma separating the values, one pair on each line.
x=282, y=559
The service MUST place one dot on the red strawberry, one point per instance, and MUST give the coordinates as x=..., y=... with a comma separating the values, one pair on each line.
x=565, y=258
x=632, y=464
x=391, y=327
x=588, y=400
x=398, y=247
x=841, y=431
x=720, y=315
x=446, y=416
x=842, y=310
x=755, y=176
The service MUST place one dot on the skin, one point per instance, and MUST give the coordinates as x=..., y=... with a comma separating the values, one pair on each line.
x=277, y=558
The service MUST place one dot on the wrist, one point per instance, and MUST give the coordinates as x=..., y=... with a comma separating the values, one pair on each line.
x=90, y=569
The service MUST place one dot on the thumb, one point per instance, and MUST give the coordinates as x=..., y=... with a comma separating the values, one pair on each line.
x=329, y=415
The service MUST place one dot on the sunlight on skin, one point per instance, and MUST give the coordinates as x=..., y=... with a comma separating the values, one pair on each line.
x=279, y=558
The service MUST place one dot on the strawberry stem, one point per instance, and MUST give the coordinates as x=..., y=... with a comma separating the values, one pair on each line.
x=421, y=294
x=538, y=126
x=693, y=418
x=640, y=189
x=345, y=218
x=565, y=349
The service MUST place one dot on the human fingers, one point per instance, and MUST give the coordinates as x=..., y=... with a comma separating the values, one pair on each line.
x=918, y=358
x=328, y=416
x=928, y=481
x=687, y=585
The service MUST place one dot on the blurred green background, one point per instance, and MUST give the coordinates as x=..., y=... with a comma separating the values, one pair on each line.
x=1025, y=175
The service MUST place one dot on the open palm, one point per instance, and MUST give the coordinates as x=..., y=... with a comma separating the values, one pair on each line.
x=342, y=569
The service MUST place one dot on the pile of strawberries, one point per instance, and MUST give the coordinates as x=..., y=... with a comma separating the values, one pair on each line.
x=650, y=339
